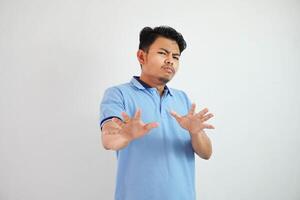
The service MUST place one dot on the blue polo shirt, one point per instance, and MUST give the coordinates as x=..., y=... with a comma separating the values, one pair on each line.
x=161, y=164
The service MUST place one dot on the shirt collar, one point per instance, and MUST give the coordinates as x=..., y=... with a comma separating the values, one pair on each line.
x=142, y=82
x=142, y=85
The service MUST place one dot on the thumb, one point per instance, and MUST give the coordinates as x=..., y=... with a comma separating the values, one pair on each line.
x=175, y=115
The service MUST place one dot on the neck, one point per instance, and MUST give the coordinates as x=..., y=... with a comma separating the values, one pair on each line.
x=154, y=83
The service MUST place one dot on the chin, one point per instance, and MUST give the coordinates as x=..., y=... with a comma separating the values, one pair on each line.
x=164, y=80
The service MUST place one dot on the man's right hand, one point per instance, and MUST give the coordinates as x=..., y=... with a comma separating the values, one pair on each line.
x=134, y=127
x=117, y=134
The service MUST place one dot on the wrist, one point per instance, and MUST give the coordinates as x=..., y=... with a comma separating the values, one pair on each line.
x=197, y=132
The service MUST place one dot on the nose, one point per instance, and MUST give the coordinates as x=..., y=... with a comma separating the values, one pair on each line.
x=169, y=60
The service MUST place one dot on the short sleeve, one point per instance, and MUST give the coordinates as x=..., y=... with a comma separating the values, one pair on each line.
x=112, y=105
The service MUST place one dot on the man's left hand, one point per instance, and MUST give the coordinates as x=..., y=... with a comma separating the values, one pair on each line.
x=194, y=122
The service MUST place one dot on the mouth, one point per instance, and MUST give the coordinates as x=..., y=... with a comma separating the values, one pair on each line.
x=169, y=69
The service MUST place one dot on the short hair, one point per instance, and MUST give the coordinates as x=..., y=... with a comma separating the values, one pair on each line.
x=148, y=35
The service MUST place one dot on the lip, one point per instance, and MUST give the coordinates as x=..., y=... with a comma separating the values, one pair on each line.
x=169, y=69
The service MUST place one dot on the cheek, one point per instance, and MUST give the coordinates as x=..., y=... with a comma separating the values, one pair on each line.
x=176, y=67
x=156, y=63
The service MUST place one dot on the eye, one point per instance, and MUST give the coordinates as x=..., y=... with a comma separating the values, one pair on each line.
x=176, y=58
x=163, y=53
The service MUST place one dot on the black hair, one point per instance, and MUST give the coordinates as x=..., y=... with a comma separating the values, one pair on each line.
x=149, y=35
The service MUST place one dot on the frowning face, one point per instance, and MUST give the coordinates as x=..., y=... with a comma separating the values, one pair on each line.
x=161, y=62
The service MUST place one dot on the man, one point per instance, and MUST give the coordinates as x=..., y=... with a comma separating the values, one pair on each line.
x=154, y=129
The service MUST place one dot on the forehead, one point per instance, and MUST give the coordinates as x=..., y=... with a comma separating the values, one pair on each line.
x=165, y=43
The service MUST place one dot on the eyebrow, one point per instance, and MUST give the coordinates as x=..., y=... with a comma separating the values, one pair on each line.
x=175, y=54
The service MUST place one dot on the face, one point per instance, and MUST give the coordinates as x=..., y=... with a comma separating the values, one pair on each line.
x=161, y=62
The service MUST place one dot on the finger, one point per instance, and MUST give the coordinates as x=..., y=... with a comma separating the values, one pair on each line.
x=208, y=126
x=175, y=115
x=151, y=125
x=192, y=110
x=137, y=114
x=125, y=117
x=207, y=117
x=117, y=121
x=202, y=112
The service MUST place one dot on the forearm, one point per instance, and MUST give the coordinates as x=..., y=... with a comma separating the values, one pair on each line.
x=114, y=142
x=201, y=145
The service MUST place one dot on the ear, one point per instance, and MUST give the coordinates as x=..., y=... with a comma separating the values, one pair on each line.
x=141, y=56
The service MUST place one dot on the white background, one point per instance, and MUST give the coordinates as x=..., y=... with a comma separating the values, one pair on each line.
x=57, y=58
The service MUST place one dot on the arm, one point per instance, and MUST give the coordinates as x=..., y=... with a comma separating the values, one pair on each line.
x=202, y=145
x=195, y=124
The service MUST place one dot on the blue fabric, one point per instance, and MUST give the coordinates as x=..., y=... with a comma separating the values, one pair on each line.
x=161, y=164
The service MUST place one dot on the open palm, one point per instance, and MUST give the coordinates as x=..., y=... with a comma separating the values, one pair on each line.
x=194, y=122
x=134, y=127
